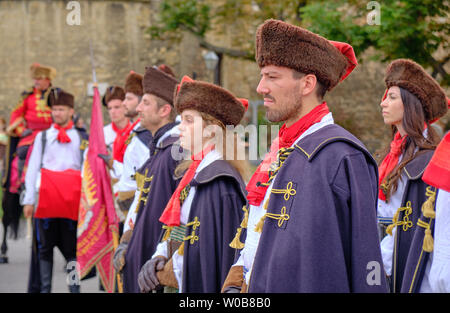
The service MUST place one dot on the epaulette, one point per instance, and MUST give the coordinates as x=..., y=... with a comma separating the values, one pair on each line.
x=26, y=92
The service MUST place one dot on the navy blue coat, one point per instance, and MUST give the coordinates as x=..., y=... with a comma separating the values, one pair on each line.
x=329, y=242
x=217, y=205
x=409, y=260
x=147, y=228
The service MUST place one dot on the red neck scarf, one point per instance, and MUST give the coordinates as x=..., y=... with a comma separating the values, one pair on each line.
x=62, y=135
x=286, y=137
x=119, y=145
x=119, y=131
x=171, y=214
x=390, y=162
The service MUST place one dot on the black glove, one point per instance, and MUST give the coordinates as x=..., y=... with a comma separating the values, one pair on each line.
x=232, y=289
x=107, y=158
x=147, y=278
x=124, y=205
x=119, y=256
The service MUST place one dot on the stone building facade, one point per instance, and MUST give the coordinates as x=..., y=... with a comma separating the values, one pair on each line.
x=47, y=32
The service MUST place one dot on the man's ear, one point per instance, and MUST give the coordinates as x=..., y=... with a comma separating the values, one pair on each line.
x=309, y=82
x=165, y=110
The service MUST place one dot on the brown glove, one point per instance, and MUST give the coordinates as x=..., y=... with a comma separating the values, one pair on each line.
x=234, y=281
x=147, y=278
x=167, y=277
x=121, y=250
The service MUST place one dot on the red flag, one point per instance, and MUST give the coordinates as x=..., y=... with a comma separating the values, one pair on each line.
x=97, y=220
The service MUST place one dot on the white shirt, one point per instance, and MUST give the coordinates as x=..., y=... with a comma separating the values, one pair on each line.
x=135, y=155
x=386, y=210
x=132, y=213
x=57, y=157
x=110, y=136
x=247, y=255
x=161, y=249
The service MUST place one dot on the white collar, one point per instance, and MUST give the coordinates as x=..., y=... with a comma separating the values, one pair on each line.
x=326, y=120
x=212, y=156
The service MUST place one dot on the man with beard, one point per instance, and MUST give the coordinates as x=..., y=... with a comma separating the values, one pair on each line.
x=312, y=202
x=155, y=179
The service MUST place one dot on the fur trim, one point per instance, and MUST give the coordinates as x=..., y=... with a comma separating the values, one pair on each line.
x=210, y=99
x=282, y=44
x=412, y=77
x=112, y=93
x=133, y=84
x=158, y=83
x=40, y=71
x=166, y=69
x=58, y=96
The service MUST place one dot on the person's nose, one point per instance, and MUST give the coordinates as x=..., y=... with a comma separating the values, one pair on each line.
x=262, y=88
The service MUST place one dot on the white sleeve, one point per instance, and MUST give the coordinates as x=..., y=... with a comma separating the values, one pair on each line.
x=161, y=249
x=177, y=260
x=440, y=268
x=32, y=174
x=387, y=251
x=240, y=261
x=116, y=171
x=126, y=183
x=130, y=221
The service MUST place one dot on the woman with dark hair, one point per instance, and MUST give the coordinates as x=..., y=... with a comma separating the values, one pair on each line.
x=413, y=101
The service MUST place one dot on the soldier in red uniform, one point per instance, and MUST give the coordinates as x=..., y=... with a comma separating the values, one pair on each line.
x=30, y=116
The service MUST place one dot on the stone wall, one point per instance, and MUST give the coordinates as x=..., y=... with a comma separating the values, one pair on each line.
x=37, y=31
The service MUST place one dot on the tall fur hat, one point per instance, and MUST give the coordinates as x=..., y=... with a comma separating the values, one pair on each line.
x=282, y=44
x=113, y=92
x=58, y=96
x=411, y=76
x=166, y=69
x=38, y=71
x=133, y=84
x=159, y=83
x=210, y=99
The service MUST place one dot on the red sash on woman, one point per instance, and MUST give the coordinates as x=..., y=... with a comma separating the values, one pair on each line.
x=59, y=194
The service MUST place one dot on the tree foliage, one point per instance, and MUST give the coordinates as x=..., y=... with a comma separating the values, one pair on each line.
x=413, y=29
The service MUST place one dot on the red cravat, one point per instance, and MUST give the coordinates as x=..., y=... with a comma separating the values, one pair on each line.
x=62, y=135
x=286, y=137
x=171, y=214
x=119, y=145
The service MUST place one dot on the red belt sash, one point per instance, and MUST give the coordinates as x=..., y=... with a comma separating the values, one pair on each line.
x=59, y=194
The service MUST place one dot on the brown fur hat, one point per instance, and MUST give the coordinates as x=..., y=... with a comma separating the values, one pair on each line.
x=113, y=92
x=282, y=44
x=411, y=76
x=58, y=96
x=133, y=84
x=210, y=99
x=159, y=83
x=166, y=69
x=38, y=71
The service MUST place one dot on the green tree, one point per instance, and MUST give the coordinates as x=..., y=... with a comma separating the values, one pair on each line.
x=413, y=29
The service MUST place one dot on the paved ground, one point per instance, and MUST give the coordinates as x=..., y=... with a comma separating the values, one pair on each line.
x=14, y=275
